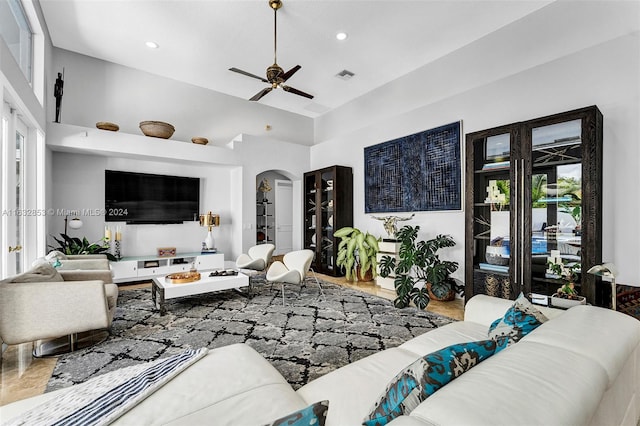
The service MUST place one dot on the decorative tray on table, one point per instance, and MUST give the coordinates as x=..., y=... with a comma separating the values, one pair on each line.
x=182, y=277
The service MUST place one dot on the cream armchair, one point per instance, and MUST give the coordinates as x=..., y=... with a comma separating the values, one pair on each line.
x=292, y=270
x=43, y=304
x=257, y=257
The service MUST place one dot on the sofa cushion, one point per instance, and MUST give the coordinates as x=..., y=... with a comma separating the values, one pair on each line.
x=42, y=272
x=313, y=415
x=456, y=332
x=426, y=375
x=353, y=388
x=526, y=384
x=483, y=309
x=617, y=336
x=519, y=320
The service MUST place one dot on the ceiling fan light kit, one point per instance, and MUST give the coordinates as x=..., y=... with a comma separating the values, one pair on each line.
x=276, y=76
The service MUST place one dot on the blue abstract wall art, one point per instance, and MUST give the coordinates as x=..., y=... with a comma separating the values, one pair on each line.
x=419, y=172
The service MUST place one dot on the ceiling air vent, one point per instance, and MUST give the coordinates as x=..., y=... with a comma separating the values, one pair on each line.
x=345, y=74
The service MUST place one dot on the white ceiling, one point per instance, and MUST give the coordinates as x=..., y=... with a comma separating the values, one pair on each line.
x=201, y=39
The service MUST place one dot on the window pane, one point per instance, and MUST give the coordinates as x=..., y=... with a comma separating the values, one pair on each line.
x=17, y=34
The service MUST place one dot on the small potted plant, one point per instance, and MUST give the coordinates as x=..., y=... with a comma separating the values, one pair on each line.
x=566, y=295
x=420, y=274
x=357, y=254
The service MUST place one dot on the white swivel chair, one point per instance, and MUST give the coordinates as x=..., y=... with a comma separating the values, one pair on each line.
x=292, y=270
x=257, y=257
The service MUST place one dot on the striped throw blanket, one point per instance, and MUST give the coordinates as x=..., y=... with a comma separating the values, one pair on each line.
x=102, y=400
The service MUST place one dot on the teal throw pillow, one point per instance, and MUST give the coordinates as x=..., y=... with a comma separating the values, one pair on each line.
x=521, y=319
x=425, y=376
x=313, y=415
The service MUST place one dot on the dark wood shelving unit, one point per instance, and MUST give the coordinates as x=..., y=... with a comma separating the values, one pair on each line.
x=545, y=156
x=328, y=206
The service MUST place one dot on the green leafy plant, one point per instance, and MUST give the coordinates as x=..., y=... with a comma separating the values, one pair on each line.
x=569, y=274
x=418, y=264
x=75, y=245
x=356, y=253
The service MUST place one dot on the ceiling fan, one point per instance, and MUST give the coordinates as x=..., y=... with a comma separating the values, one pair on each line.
x=275, y=74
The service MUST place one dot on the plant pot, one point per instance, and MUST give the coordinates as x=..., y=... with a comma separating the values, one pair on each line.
x=561, y=302
x=440, y=293
x=368, y=276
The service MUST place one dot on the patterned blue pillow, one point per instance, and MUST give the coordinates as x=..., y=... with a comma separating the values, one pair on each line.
x=521, y=319
x=313, y=415
x=425, y=376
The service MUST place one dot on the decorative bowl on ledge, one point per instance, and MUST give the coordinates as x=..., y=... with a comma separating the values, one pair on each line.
x=157, y=129
x=199, y=141
x=105, y=125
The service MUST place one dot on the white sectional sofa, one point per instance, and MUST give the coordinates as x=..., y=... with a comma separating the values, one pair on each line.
x=582, y=367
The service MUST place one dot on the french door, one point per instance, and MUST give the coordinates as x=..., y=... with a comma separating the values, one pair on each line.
x=14, y=134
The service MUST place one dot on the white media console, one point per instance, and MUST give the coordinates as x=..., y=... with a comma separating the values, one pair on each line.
x=139, y=268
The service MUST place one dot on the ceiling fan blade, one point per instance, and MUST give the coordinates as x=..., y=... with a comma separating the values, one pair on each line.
x=296, y=91
x=260, y=94
x=248, y=74
x=289, y=73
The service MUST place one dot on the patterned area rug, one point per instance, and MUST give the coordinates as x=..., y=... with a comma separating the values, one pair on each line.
x=305, y=339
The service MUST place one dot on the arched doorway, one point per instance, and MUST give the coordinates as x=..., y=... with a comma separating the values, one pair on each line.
x=274, y=210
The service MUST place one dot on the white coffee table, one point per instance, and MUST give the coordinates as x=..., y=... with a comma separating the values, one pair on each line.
x=161, y=290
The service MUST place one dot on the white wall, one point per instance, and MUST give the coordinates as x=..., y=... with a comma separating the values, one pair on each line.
x=604, y=74
x=96, y=90
x=78, y=183
x=260, y=155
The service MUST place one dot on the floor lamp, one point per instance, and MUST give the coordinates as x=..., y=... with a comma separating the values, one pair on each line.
x=608, y=272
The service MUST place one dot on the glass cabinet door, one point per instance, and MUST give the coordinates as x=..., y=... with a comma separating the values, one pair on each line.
x=556, y=204
x=310, y=200
x=326, y=209
x=492, y=242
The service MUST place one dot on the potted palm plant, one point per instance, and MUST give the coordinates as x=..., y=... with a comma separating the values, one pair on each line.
x=357, y=254
x=419, y=272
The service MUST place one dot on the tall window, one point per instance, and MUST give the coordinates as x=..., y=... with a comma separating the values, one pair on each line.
x=17, y=34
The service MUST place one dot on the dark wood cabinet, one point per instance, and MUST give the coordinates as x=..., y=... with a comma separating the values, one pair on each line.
x=533, y=191
x=328, y=206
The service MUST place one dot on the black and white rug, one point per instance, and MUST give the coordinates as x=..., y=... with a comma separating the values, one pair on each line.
x=305, y=339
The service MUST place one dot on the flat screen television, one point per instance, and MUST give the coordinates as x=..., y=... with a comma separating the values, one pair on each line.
x=141, y=198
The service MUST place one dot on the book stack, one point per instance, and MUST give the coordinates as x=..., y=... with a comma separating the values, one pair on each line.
x=496, y=165
x=494, y=268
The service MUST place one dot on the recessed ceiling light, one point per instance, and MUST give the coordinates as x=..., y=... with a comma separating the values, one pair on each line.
x=342, y=36
x=152, y=45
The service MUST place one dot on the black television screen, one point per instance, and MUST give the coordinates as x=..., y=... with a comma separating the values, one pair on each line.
x=147, y=198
